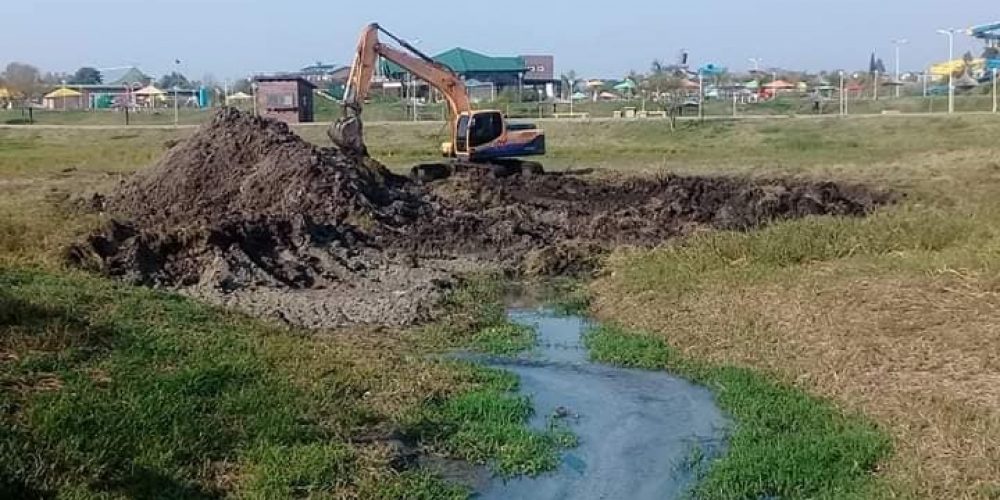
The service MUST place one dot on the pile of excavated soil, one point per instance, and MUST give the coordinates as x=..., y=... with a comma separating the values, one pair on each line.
x=247, y=214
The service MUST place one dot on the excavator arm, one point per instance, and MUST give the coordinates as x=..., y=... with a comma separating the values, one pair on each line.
x=347, y=132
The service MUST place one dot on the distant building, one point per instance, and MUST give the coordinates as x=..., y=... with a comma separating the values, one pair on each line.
x=286, y=98
x=323, y=75
x=130, y=76
x=501, y=72
x=541, y=76
x=119, y=86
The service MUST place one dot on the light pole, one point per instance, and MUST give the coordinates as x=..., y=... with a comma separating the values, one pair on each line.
x=994, y=90
x=177, y=65
x=843, y=107
x=950, y=33
x=253, y=91
x=898, y=43
x=701, y=96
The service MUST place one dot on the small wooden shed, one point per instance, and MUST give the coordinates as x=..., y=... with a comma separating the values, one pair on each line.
x=286, y=98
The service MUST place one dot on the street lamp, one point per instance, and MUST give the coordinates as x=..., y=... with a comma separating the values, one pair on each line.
x=756, y=63
x=994, y=90
x=897, y=43
x=177, y=65
x=950, y=33
x=843, y=103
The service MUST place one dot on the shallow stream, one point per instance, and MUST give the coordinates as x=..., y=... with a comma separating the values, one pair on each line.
x=642, y=434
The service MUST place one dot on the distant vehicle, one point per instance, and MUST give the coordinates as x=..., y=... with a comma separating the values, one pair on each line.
x=937, y=90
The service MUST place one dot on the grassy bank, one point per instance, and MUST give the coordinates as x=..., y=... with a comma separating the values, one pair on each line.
x=109, y=389
x=894, y=316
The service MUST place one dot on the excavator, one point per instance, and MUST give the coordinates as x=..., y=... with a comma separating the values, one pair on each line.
x=478, y=138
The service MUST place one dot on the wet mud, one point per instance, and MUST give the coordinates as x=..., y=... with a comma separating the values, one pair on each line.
x=245, y=213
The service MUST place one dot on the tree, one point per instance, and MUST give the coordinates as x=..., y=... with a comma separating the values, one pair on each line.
x=172, y=80
x=22, y=79
x=210, y=81
x=50, y=78
x=87, y=76
x=569, y=83
x=242, y=85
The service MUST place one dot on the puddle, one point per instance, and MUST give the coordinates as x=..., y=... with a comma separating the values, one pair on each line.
x=642, y=434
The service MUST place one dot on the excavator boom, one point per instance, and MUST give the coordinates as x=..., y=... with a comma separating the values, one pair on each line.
x=347, y=133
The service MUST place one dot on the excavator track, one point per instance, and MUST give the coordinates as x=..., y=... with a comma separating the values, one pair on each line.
x=499, y=168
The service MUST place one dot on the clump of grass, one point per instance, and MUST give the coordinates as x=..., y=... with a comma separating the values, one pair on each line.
x=300, y=470
x=784, y=444
x=411, y=485
x=488, y=425
x=566, y=296
x=505, y=339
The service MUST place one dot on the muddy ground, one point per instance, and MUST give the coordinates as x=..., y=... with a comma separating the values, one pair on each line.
x=246, y=214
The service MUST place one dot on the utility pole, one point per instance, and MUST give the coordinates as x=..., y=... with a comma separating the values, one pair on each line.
x=950, y=33
x=843, y=104
x=701, y=96
x=177, y=66
x=898, y=43
x=994, y=90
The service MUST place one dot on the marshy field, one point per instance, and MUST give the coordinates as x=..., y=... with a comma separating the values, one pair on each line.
x=857, y=357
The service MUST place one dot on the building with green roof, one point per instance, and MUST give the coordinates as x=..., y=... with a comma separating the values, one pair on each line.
x=126, y=76
x=502, y=72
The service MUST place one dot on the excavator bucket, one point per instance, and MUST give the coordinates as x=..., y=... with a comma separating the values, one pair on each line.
x=347, y=134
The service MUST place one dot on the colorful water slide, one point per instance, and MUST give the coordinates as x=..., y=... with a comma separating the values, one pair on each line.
x=989, y=32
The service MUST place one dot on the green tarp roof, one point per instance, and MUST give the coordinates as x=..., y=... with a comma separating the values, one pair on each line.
x=129, y=76
x=466, y=61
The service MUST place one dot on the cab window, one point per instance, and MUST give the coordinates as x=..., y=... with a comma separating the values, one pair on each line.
x=484, y=128
x=462, y=133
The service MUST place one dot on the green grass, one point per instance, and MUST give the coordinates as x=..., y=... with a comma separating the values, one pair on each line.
x=109, y=389
x=784, y=444
x=31, y=152
x=488, y=426
x=146, y=390
x=391, y=109
x=504, y=340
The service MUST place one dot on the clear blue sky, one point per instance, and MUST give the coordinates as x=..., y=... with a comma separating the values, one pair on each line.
x=231, y=38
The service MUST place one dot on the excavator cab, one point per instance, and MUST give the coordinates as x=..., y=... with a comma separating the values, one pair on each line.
x=486, y=135
x=477, y=129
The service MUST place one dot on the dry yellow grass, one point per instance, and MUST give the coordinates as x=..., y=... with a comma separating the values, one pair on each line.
x=897, y=317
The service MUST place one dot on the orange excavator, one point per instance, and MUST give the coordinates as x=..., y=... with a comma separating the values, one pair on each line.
x=478, y=138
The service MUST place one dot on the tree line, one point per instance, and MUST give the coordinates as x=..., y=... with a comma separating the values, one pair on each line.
x=26, y=81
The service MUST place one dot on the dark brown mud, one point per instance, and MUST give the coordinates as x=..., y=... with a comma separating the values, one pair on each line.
x=247, y=214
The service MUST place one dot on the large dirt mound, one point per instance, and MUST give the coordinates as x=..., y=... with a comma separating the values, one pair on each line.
x=245, y=213
x=238, y=165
